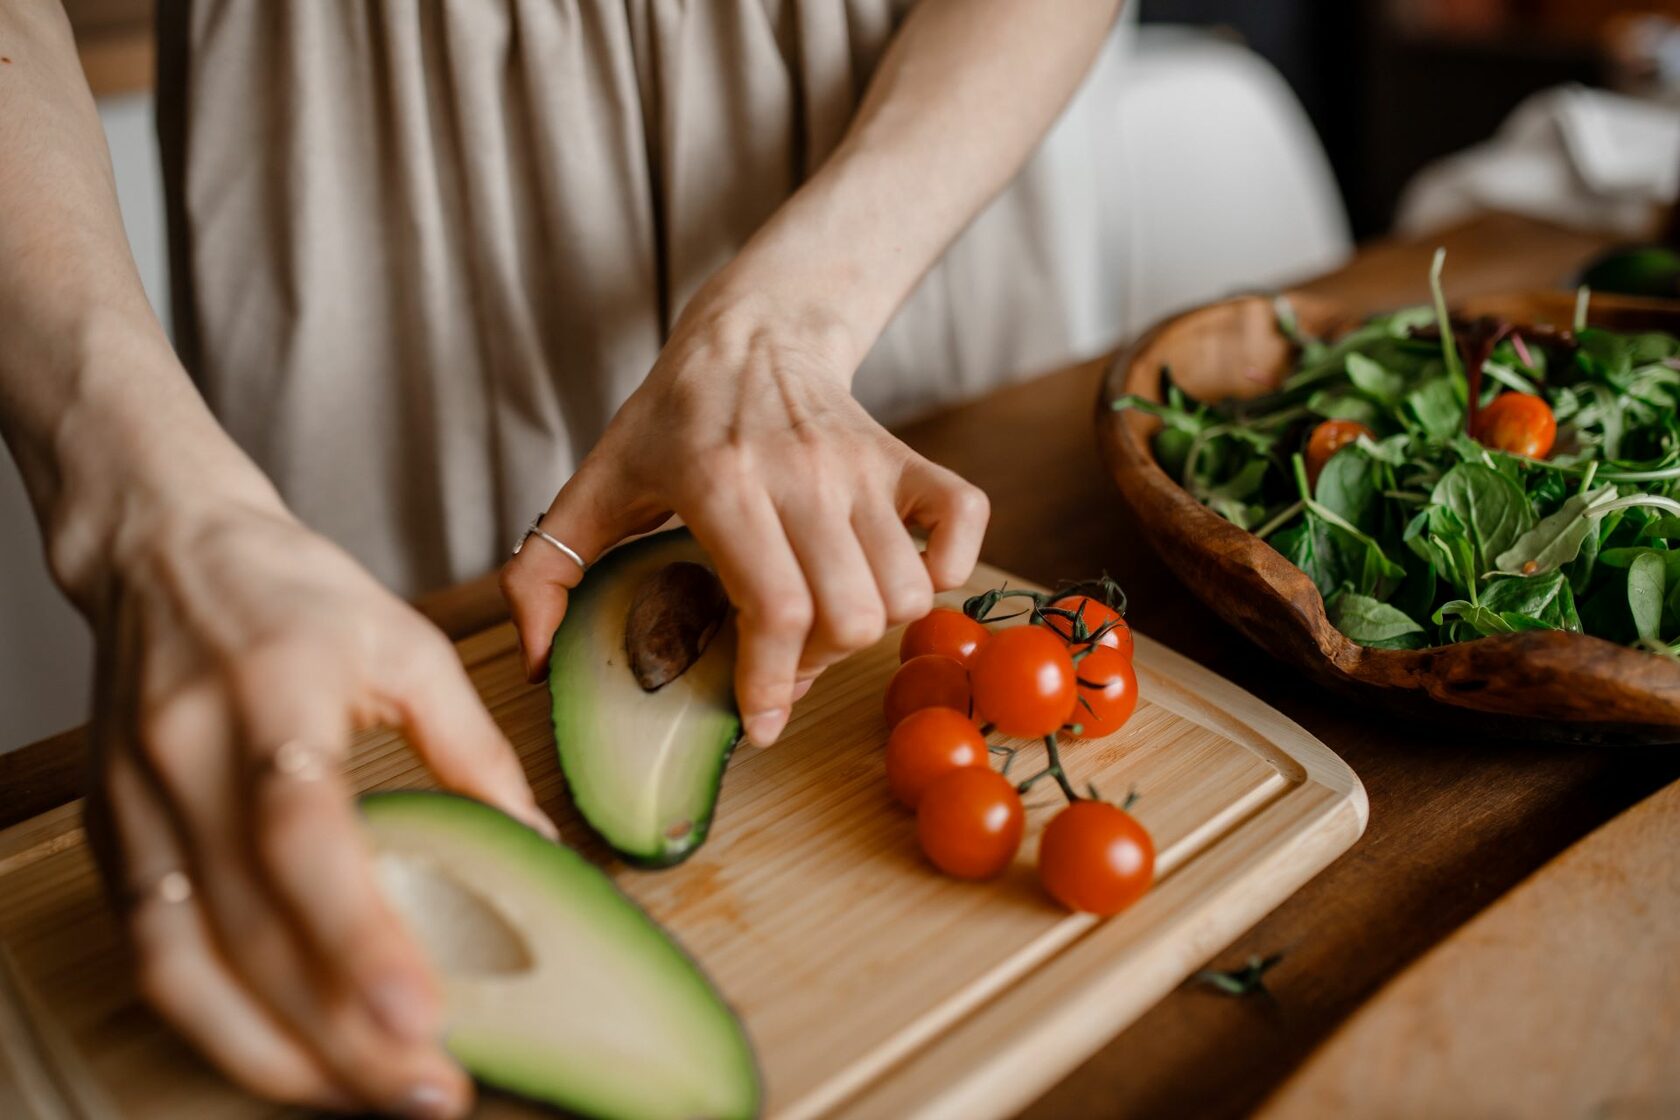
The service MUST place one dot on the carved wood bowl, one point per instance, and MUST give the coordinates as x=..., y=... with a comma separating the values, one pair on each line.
x=1551, y=685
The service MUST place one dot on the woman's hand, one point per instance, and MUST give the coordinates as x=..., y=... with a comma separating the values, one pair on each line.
x=237, y=653
x=747, y=430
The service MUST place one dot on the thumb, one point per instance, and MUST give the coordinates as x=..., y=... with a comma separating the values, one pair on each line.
x=593, y=511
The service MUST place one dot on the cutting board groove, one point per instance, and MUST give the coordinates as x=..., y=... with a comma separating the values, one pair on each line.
x=871, y=985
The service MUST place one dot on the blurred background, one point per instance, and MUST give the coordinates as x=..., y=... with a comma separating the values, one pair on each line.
x=1256, y=141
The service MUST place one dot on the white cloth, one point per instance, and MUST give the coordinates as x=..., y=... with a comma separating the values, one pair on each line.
x=1578, y=157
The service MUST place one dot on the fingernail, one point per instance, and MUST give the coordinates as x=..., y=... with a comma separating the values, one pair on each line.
x=404, y=1009
x=428, y=1102
x=763, y=727
x=800, y=689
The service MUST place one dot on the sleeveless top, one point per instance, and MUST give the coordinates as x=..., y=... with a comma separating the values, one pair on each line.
x=422, y=251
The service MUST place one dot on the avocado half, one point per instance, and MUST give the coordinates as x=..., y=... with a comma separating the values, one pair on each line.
x=644, y=767
x=556, y=986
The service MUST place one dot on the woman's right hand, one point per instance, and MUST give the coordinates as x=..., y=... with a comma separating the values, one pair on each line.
x=237, y=653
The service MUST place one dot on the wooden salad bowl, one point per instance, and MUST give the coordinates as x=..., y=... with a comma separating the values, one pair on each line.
x=1540, y=685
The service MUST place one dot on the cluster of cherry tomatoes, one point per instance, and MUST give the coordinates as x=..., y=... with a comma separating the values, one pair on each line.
x=1067, y=673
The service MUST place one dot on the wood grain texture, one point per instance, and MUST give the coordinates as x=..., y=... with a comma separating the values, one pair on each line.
x=848, y=958
x=1561, y=999
x=1538, y=685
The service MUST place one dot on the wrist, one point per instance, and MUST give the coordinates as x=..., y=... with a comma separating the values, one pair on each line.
x=136, y=462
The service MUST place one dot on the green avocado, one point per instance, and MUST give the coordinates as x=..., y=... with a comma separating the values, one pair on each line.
x=644, y=766
x=556, y=986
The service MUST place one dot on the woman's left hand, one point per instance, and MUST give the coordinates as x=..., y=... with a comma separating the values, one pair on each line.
x=746, y=429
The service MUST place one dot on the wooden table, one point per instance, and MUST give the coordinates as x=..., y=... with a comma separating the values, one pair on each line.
x=1455, y=822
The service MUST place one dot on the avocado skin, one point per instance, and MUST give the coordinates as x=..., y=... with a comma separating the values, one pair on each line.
x=372, y=804
x=590, y=647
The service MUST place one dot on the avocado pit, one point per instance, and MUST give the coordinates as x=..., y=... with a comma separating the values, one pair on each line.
x=673, y=617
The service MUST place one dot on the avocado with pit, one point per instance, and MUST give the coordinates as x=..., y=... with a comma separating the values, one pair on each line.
x=557, y=987
x=642, y=679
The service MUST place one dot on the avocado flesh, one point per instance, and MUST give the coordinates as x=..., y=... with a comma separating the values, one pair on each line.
x=556, y=986
x=643, y=768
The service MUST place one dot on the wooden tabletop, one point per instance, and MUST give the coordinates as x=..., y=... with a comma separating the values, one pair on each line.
x=1455, y=821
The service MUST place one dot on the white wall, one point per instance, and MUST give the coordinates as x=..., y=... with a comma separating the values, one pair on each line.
x=45, y=656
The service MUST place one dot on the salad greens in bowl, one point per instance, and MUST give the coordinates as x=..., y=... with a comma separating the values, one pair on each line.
x=1474, y=511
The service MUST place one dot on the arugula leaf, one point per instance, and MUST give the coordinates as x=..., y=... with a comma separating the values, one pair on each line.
x=1556, y=539
x=1373, y=623
x=1482, y=620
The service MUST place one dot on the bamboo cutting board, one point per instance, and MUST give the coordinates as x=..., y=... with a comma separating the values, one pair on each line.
x=871, y=985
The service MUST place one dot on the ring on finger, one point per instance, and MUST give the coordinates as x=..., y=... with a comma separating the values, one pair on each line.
x=171, y=887
x=294, y=759
x=535, y=529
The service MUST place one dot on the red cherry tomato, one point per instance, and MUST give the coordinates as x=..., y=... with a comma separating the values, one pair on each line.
x=1519, y=424
x=928, y=681
x=927, y=745
x=1024, y=682
x=1095, y=857
x=944, y=631
x=1328, y=438
x=1108, y=692
x=969, y=823
x=1095, y=614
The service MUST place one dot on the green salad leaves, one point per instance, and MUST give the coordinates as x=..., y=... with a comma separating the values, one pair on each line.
x=1416, y=534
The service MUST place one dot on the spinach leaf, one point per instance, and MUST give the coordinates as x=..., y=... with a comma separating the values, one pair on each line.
x=1336, y=405
x=1171, y=447
x=1416, y=594
x=1348, y=487
x=1434, y=407
x=1546, y=599
x=1493, y=510
x=1373, y=623
x=1382, y=385
x=1646, y=580
x=1308, y=546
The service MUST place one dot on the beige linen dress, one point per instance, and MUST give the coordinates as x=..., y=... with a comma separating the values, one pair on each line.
x=423, y=249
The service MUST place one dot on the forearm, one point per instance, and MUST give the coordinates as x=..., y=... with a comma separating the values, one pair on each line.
x=94, y=405
x=964, y=92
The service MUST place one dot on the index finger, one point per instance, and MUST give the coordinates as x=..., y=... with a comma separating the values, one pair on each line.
x=774, y=612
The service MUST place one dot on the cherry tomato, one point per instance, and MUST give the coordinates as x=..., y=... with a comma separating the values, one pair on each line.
x=1095, y=857
x=1095, y=614
x=929, y=681
x=969, y=822
x=1328, y=438
x=944, y=631
x=1108, y=692
x=928, y=744
x=1024, y=683
x=1518, y=423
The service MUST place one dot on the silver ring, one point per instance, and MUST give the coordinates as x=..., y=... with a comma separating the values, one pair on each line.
x=172, y=888
x=296, y=760
x=535, y=529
